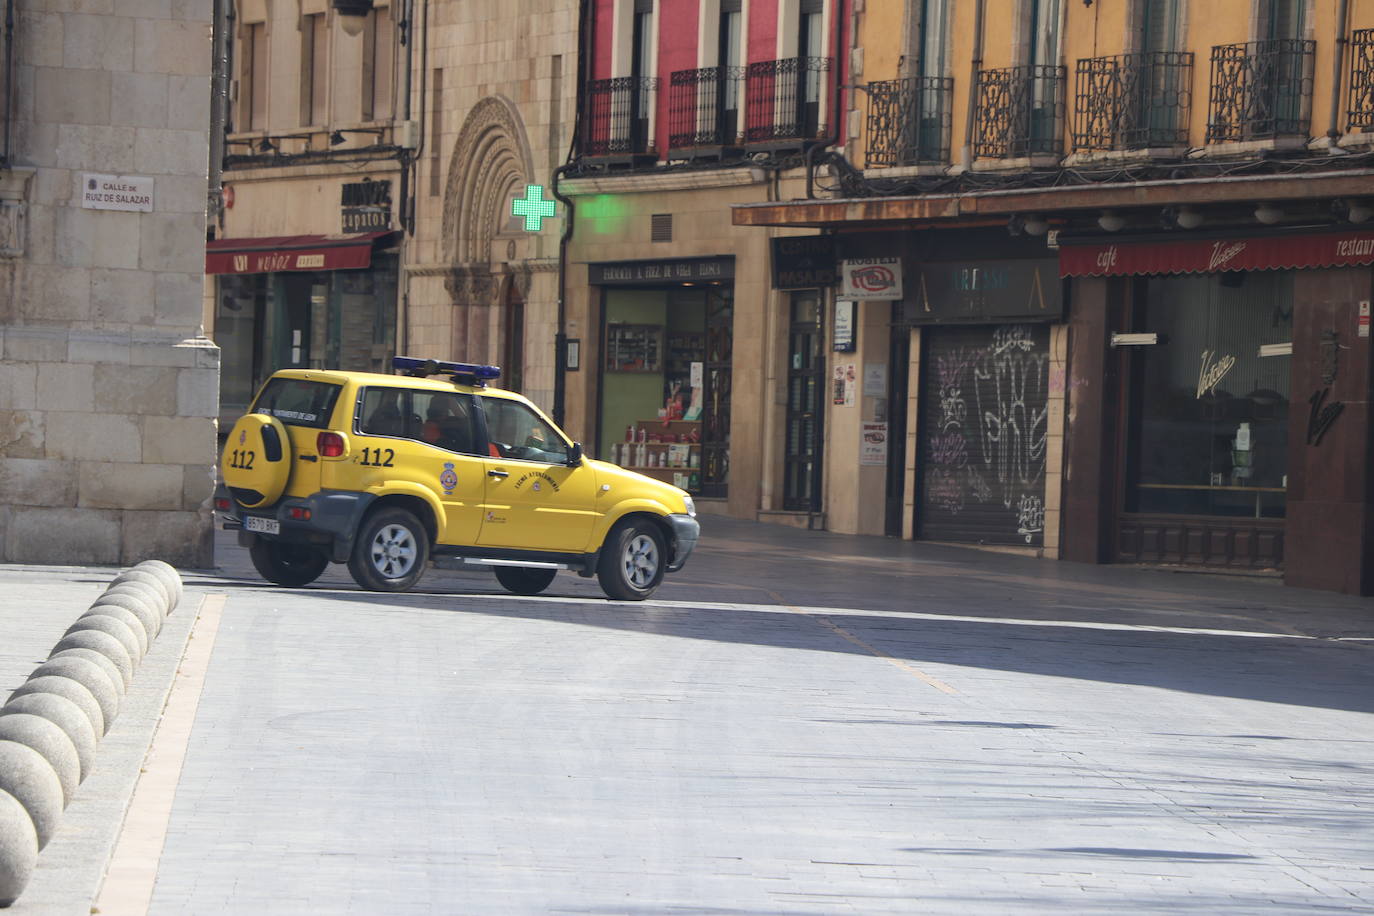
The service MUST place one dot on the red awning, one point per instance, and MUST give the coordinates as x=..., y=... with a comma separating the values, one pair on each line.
x=290, y=252
x=1279, y=252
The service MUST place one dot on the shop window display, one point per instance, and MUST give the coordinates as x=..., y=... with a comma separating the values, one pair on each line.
x=1209, y=409
x=665, y=384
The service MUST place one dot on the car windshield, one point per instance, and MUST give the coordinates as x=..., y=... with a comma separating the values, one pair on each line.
x=298, y=402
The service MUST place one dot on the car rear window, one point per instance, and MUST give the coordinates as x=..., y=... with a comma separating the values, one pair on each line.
x=297, y=402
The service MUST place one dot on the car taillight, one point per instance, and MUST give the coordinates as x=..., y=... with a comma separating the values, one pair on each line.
x=299, y=513
x=330, y=445
x=222, y=503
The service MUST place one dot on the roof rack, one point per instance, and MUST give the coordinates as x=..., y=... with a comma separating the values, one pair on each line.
x=462, y=373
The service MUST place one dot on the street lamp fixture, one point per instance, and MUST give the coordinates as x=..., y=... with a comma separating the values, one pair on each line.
x=352, y=14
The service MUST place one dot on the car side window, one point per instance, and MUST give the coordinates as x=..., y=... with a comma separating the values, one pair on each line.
x=516, y=431
x=387, y=412
x=439, y=418
x=448, y=420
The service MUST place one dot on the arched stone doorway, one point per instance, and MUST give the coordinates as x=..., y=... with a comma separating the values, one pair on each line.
x=490, y=165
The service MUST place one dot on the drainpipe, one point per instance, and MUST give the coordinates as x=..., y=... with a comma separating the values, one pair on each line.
x=966, y=154
x=1337, y=69
x=560, y=339
x=219, y=107
x=834, y=136
x=9, y=81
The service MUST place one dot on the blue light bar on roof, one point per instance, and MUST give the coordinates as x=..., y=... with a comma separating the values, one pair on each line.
x=468, y=373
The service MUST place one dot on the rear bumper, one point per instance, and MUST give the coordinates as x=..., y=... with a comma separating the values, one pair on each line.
x=686, y=531
x=332, y=523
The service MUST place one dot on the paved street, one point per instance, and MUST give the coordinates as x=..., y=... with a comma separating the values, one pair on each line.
x=799, y=723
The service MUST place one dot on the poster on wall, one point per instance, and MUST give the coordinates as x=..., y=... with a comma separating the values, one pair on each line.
x=843, y=387
x=875, y=380
x=873, y=444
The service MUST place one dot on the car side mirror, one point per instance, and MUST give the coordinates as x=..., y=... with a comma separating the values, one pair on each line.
x=575, y=455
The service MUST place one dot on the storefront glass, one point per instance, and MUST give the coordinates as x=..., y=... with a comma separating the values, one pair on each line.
x=665, y=384
x=343, y=319
x=1210, y=399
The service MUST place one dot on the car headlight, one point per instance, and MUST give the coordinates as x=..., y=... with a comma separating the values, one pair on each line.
x=691, y=506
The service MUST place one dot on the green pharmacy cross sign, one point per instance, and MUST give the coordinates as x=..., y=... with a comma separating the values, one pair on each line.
x=533, y=207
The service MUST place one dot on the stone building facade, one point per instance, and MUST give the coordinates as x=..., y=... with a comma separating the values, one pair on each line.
x=108, y=388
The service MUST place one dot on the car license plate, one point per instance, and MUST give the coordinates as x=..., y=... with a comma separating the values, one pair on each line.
x=265, y=525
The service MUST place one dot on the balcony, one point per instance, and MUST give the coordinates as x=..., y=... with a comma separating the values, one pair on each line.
x=1020, y=113
x=1360, y=109
x=1261, y=90
x=703, y=112
x=909, y=122
x=619, y=128
x=785, y=102
x=1135, y=101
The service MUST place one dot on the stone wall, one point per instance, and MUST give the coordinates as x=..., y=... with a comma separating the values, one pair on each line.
x=108, y=389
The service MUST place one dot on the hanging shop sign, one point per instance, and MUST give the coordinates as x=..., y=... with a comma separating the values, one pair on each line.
x=871, y=278
x=985, y=292
x=843, y=338
x=366, y=206
x=804, y=262
x=1278, y=252
x=671, y=271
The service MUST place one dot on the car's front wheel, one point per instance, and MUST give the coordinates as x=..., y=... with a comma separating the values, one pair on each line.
x=524, y=580
x=632, y=561
x=391, y=551
x=292, y=565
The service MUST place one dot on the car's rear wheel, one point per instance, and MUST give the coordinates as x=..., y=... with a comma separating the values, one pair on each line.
x=292, y=565
x=391, y=551
x=524, y=580
x=632, y=561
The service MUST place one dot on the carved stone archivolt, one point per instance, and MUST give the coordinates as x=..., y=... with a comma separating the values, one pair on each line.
x=491, y=164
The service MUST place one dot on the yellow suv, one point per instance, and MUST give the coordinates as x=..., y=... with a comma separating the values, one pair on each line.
x=383, y=472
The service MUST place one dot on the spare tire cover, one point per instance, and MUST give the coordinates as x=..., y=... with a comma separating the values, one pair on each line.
x=257, y=460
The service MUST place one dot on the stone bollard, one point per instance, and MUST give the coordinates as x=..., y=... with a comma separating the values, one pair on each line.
x=67, y=716
x=50, y=726
x=68, y=690
x=169, y=575
x=133, y=637
x=150, y=578
x=31, y=779
x=88, y=675
x=103, y=643
x=100, y=661
x=50, y=741
x=18, y=848
x=145, y=629
x=145, y=590
x=140, y=606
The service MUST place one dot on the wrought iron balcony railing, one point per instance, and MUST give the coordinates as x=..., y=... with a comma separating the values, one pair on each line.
x=618, y=116
x=1261, y=90
x=785, y=99
x=1133, y=101
x=1360, y=109
x=703, y=107
x=909, y=121
x=1020, y=112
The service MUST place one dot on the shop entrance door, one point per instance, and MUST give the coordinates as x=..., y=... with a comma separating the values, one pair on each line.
x=805, y=384
x=984, y=420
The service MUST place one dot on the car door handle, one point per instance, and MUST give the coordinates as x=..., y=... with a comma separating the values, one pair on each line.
x=498, y=473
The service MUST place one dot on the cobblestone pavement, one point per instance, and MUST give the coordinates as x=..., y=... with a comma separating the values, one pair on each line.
x=798, y=723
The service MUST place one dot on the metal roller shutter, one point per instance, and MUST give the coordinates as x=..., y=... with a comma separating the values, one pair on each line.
x=983, y=424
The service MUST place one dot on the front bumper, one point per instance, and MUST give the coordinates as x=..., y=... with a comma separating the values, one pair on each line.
x=686, y=531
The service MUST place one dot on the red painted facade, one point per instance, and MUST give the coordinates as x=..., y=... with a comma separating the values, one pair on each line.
x=679, y=27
